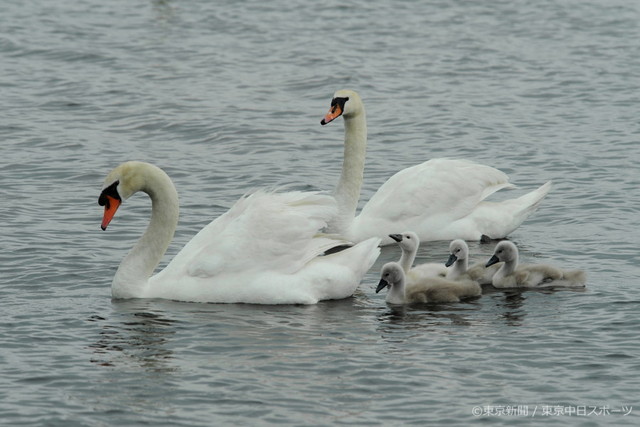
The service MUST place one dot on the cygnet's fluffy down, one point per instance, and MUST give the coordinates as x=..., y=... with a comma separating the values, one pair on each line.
x=512, y=275
x=427, y=290
x=409, y=243
x=458, y=264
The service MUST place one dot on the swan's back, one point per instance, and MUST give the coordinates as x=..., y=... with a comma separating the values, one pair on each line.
x=266, y=249
x=259, y=232
x=543, y=275
x=514, y=274
x=429, y=197
x=426, y=270
x=437, y=290
x=327, y=277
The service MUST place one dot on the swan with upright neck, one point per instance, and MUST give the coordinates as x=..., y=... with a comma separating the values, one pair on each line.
x=458, y=264
x=266, y=249
x=440, y=199
x=514, y=275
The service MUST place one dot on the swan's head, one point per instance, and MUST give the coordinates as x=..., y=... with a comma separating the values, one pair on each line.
x=390, y=276
x=345, y=103
x=408, y=241
x=505, y=251
x=119, y=185
x=458, y=250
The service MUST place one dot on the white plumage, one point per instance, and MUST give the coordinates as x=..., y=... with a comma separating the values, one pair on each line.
x=440, y=199
x=265, y=250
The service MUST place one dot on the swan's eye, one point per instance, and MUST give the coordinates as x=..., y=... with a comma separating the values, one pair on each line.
x=339, y=100
x=338, y=103
x=408, y=237
x=112, y=191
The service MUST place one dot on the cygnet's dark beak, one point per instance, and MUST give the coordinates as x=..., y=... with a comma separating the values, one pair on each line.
x=383, y=284
x=396, y=237
x=493, y=260
x=451, y=260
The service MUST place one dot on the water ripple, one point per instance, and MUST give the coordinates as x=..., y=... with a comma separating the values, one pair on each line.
x=227, y=97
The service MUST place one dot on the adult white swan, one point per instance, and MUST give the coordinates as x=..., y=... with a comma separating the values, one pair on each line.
x=264, y=250
x=440, y=199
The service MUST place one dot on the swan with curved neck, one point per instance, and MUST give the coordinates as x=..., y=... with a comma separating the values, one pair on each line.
x=440, y=199
x=266, y=249
x=512, y=275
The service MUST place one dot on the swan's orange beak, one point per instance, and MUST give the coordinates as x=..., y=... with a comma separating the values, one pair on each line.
x=111, y=205
x=334, y=112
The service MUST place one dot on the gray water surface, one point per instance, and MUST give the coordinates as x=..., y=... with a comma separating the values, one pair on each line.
x=227, y=96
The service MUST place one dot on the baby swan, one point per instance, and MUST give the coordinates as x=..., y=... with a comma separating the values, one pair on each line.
x=427, y=290
x=459, y=265
x=512, y=275
x=409, y=243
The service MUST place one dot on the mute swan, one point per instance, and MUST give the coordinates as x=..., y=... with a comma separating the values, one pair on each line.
x=409, y=243
x=512, y=275
x=264, y=250
x=428, y=290
x=440, y=199
x=459, y=265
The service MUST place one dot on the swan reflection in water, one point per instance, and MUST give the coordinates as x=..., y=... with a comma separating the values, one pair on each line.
x=427, y=316
x=511, y=302
x=511, y=305
x=139, y=339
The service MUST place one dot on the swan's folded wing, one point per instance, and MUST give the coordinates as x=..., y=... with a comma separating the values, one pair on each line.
x=448, y=188
x=264, y=231
x=540, y=274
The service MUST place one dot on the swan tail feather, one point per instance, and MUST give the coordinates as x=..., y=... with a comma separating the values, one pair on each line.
x=576, y=278
x=364, y=253
x=348, y=269
x=513, y=212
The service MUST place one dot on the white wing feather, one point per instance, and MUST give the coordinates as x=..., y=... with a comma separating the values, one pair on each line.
x=432, y=194
x=262, y=231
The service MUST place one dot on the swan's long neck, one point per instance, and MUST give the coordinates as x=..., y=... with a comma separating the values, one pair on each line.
x=509, y=267
x=396, y=294
x=407, y=258
x=132, y=276
x=347, y=191
x=458, y=268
